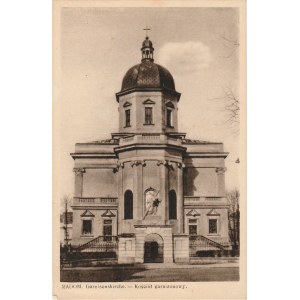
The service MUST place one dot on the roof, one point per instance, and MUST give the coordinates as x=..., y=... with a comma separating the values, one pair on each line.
x=148, y=75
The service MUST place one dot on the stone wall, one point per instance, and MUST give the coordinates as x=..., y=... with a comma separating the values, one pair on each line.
x=100, y=183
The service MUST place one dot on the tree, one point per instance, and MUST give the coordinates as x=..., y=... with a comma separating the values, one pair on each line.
x=231, y=45
x=233, y=198
x=65, y=218
x=229, y=97
x=231, y=107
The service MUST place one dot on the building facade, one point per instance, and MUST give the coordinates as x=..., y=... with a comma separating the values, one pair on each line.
x=149, y=191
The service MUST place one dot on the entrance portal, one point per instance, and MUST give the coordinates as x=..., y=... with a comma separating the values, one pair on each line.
x=154, y=252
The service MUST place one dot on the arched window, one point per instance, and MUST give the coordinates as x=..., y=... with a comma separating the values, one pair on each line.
x=128, y=205
x=172, y=205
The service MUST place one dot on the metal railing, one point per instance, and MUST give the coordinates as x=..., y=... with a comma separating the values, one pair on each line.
x=102, y=243
x=96, y=200
x=202, y=199
x=201, y=243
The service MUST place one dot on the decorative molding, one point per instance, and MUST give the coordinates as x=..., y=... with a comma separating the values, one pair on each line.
x=79, y=171
x=170, y=105
x=108, y=213
x=213, y=212
x=126, y=104
x=87, y=213
x=166, y=163
x=148, y=101
x=160, y=162
x=220, y=171
x=180, y=165
x=119, y=165
x=138, y=162
x=193, y=213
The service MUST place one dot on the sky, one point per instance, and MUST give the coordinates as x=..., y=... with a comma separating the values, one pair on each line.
x=98, y=46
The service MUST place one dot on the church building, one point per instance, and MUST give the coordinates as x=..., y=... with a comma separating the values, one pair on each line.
x=148, y=193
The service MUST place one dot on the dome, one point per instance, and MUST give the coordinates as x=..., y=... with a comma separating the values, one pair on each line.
x=148, y=75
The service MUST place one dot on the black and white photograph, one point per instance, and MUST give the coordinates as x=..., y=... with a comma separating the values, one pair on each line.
x=151, y=110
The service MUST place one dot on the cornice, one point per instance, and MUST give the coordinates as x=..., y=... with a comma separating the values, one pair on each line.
x=93, y=155
x=96, y=207
x=149, y=146
x=206, y=154
x=139, y=89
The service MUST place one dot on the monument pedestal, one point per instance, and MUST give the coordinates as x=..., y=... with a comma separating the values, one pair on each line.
x=151, y=220
x=155, y=239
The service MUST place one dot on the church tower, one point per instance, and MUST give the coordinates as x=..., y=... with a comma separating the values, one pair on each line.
x=149, y=191
x=148, y=99
x=148, y=152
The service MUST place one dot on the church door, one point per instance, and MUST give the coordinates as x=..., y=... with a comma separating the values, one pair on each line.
x=153, y=252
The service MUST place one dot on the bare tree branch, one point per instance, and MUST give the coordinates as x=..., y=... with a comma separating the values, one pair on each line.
x=233, y=198
x=232, y=45
x=231, y=107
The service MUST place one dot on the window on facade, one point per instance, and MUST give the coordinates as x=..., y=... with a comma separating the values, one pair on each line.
x=148, y=116
x=128, y=205
x=127, y=118
x=86, y=227
x=107, y=231
x=213, y=226
x=172, y=205
x=169, y=118
x=192, y=229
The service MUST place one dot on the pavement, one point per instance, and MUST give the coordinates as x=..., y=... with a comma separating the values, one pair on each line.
x=153, y=273
x=151, y=266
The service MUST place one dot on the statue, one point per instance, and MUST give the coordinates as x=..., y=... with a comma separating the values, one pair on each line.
x=152, y=202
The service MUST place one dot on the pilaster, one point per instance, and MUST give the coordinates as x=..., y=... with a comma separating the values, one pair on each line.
x=220, y=181
x=138, y=189
x=180, y=216
x=120, y=169
x=163, y=176
x=78, y=181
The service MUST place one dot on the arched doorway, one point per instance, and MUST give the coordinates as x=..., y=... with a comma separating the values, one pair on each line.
x=154, y=249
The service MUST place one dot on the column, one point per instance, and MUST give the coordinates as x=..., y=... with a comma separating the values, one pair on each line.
x=220, y=190
x=120, y=197
x=78, y=181
x=180, y=199
x=138, y=186
x=163, y=176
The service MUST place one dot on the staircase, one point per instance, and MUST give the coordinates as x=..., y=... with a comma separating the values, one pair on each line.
x=201, y=243
x=104, y=244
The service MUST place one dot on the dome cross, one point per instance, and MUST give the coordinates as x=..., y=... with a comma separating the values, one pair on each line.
x=147, y=48
x=147, y=29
